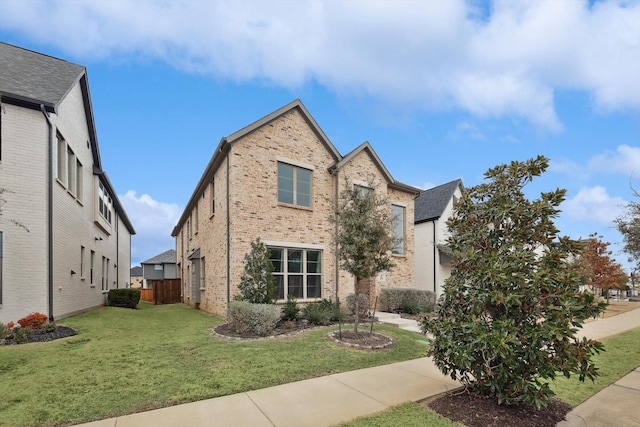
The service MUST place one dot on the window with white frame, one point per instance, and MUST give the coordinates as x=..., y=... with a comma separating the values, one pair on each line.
x=62, y=158
x=105, y=203
x=71, y=171
x=79, y=188
x=397, y=228
x=297, y=272
x=294, y=185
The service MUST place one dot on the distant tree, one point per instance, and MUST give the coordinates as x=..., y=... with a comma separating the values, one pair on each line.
x=510, y=309
x=364, y=241
x=629, y=226
x=257, y=284
x=604, y=272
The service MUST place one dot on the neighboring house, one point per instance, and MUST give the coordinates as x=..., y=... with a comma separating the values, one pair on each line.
x=278, y=179
x=433, y=259
x=65, y=239
x=137, y=279
x=160, y=267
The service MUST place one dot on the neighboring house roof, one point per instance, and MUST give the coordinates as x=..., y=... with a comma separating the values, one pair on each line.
x=167, y=257
x=225, y=146
x=136, y=271
x=431, y=203
x=33, y=80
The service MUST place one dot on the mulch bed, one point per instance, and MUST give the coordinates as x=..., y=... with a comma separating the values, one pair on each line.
x=476, y=411
x=39, y=336
x=361, y=340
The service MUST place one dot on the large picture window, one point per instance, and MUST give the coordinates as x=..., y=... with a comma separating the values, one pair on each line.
x=294, y=185
x=397, y=228
x=298, y=272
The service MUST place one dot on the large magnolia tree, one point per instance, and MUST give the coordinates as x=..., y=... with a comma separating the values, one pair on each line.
x=508, y=317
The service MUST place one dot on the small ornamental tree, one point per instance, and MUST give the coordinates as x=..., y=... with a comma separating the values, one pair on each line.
x=508, y=318
x=257, y=284
x=363, y=239
x=629, y=226
x=605, y=272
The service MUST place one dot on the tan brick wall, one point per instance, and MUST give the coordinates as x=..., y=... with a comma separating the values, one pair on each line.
x=256, y=212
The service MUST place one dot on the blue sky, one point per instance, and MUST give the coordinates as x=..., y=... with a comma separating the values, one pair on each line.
x=441, y=89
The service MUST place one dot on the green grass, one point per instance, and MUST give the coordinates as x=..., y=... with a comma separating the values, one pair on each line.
x=405, y=415
x=124, y=361
x=622, y=356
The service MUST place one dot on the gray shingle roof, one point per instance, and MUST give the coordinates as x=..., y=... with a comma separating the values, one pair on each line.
x=431, y=203
x=167, y=257
x=136, y=271
x=32, y=76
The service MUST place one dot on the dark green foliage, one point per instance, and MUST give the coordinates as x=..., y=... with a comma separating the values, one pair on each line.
x=508, y=318
x=125, y=297
x=629, y=226
x=333, y=308
x=48, y=327
x=291, y=309
x=364, y=239
x=257, y=284
x=394, y=299
x=317, y=313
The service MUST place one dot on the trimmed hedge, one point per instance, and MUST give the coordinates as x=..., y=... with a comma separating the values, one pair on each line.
x=407, y=300
x=126, y=297
x=258, y=319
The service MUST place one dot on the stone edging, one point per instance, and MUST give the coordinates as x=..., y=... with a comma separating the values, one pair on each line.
x=333, y=334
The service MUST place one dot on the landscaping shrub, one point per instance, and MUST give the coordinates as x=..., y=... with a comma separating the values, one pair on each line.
x=33, y=321
x=4, y=331
x=317, y=313
x=21, y=335
x=291, y=309
x=48, y=327
x=258, y=319
x=363, y=304
x=393, y=300
x=126, y=297
x=333, y=308
x=257, y=284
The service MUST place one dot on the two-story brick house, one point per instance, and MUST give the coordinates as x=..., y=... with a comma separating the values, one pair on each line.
x=64, y=236
x=278, y=179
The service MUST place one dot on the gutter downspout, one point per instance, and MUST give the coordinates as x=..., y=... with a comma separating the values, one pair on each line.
x=337, y=185
x=435, y=248
x=49, y=214
x=228, y=235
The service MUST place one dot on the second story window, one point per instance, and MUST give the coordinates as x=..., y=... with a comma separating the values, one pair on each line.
x=294, y=185
x=397, y=229
x=104, y=203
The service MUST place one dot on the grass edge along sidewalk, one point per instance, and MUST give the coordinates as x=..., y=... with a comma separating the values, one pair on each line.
x=621, y=357
x=124, y=361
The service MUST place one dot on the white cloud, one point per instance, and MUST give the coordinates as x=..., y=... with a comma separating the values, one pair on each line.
x=435, y=55
x=153, y=222
x=593, y=205
x=625, y=160
x=571, y=169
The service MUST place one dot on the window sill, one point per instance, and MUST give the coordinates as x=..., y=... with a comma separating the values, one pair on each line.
x=399, y=255
x=302, y=208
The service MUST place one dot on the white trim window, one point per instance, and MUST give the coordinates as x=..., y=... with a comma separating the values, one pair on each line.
x=298, y=272
x=294, y=185
x=105, y=203
x=398, y=228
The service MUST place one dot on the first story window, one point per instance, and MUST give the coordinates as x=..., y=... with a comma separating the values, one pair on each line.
x=294, y=185
x=298, y=272
x=91, y=264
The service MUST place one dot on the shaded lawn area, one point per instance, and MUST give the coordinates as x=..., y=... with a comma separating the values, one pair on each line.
x=124, y=361
x=622, y=356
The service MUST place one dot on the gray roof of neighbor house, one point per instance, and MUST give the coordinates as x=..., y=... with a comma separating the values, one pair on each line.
x=33, y=80
x=136, y=271
x=431, y=203
x=167, y=257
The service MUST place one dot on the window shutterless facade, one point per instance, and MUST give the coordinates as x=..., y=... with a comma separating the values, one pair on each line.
x=105, y=203
x=298, y=272
x=294, y=185
x=398, y=229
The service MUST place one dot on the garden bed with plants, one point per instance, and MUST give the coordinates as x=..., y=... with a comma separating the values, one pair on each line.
x=32, y=328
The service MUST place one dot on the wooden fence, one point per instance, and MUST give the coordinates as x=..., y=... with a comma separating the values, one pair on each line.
x=165, y=291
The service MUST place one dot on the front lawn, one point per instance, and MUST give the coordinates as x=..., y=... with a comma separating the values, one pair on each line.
x=124, y=361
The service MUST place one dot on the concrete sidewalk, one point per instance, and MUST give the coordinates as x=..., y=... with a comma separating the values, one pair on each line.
x=332, y=399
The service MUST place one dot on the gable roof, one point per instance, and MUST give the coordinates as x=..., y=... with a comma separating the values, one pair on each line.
x=136, y=271
x=167, y=257
x=431, y=203
x=366, y=147
x=37, y=81
x=33, y=77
